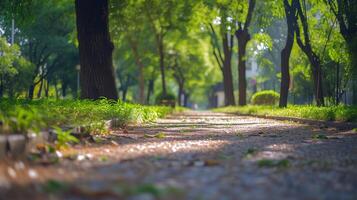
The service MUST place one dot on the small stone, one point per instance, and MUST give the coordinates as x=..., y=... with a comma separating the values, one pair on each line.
x=80, y=157
x=32, y=174
x=11, y=172
x=19, y=165
x=59, y=154
x=198, y=163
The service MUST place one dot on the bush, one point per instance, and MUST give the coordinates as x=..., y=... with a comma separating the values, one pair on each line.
x=166, y=100
x=265, y=97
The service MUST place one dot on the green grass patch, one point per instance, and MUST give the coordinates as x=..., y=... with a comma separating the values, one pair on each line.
x=21, y=115
x=331, y=113
x=319, y=137
x=250, y=152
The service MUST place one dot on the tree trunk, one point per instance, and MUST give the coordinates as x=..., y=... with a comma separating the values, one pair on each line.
x=352, y=47
x=185, y=100
x=39, y=93
x=1, y=87
x=306, y=47
x=31, y=91
x=162, y=66
x=243, y=38
x=337, y=90
x=47, y=88
x=150, y=90
x=317, y=76
x=180, y=94
x=285, y=54
x=125, y=90
x=227, y=72
x=95, y=50
x=140, y=65
x=64, y=90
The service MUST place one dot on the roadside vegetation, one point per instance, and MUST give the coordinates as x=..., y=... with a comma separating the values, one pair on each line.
x=23, y=116
x=331, y=113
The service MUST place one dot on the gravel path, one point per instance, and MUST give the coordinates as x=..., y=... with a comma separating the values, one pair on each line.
x=197, y=155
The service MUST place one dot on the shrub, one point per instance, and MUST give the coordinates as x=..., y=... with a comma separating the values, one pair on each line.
x=167, y=100
x=265, y=97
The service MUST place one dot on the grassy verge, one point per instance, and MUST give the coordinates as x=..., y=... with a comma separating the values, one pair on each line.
x=332, y=113
x=19, y=116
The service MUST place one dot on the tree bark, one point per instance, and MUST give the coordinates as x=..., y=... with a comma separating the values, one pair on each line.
x=95, y=50
x=31, y=91
x=64, y=90
x=185, y=100
x=150, y=90
x=1, y=86
x=243, y=38
x=227, y=70
x=224, y=62
x=290, y=12
x=345, y=13
x=162, y=65
x=180, y=93
x=39, y=93
x=312, y=56
x=140, y=65
x=124, y=92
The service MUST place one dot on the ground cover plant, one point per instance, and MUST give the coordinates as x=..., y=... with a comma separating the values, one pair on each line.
x=20, y=116
x=332, y=113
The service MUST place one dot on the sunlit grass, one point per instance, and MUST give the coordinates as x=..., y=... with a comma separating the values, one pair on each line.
x=333, y=113
x=20, y=116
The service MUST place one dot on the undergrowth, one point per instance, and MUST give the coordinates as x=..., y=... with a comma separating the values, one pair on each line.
x=21, y=115
x=331, y=113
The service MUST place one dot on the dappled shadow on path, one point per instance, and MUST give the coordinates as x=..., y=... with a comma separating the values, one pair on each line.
x=208, y=162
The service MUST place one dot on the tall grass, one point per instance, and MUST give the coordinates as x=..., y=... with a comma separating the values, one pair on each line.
x=331, y=113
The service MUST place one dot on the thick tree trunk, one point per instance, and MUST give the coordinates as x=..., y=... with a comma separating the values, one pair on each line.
x=162, y=66
x=227, y=72
x=243, y=38
x=95, y=50
x=286, y=52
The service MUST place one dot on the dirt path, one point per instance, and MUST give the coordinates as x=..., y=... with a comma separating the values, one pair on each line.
x=198, y=155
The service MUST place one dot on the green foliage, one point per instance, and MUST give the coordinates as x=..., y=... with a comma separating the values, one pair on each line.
x=250, y=152
x=319, y=137
x=168, y=97
x=38, y=114
x=266, y=97
x=53, y=186
x=334, y=113
x=64, y=137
